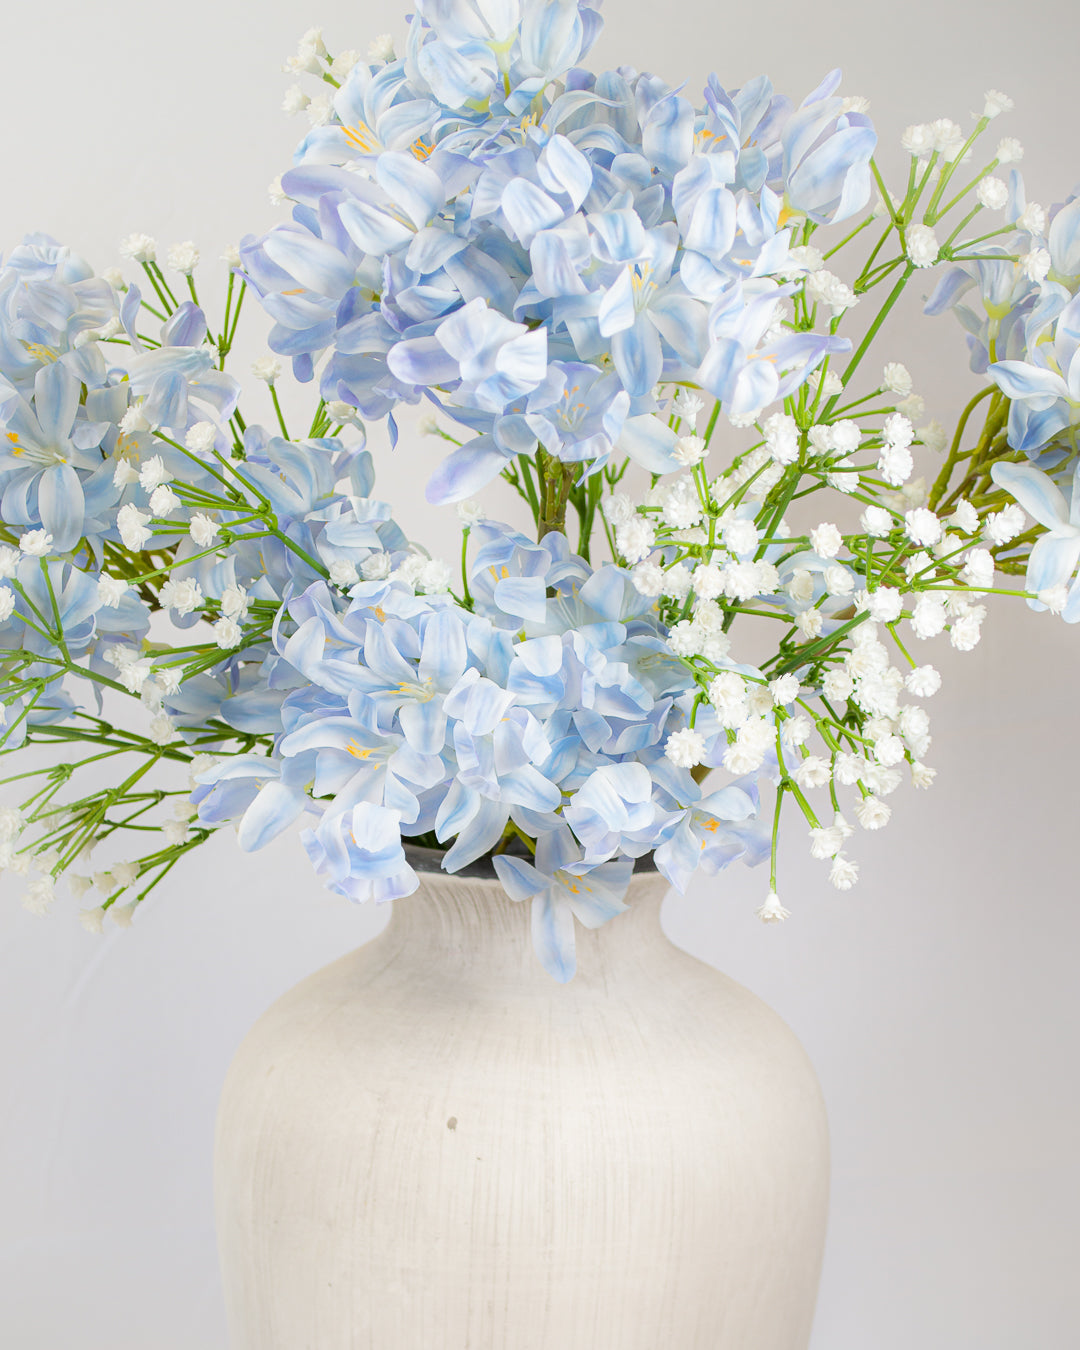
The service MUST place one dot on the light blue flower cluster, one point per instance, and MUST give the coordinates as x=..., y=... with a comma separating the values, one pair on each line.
x=1020, y=303
x=533, y=247
x=546, y=708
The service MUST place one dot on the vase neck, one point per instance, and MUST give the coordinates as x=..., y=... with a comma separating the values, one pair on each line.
x=464, y=928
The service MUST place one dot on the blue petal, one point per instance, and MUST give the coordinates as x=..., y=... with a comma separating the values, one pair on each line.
x=413, y=186
x=1040, y=497
x=61, y=506
x=553, y=935
x=650, y=443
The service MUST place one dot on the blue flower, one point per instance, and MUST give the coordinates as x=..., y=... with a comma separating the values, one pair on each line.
x=562, y=888
x=359, y=854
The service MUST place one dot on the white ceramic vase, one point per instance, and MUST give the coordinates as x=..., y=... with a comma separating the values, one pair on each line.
x=431, y=1145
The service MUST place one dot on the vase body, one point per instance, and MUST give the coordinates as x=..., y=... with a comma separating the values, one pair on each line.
x=432, y=1145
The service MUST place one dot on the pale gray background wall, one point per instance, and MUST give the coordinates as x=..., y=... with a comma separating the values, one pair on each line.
x=939, y=1001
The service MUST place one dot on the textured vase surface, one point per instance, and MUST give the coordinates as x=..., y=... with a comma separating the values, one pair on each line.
x=432, y=1145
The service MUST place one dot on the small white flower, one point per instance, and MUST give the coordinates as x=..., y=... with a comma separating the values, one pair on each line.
x=131, y=522
x=184, y=596
x=1002, y=526
x=918, y=140
x=376, y=566
x=168, y=679
x=965, y=517
x=1036, y=265
x=176, y=831
x=111, y=590
x=343, y=573
x=340, y=411
x=139, y=247
x=784, y=690
x=231, y=255
x=796, y=731
x=183, y=258
x=121, y=914
x=923, y=681
x=825, y=288
x=837, y=686
x=342, y=64
x=895, y=464
x=992, y=193
x=996, y=102
x=871, y=813
x=162, y=730
x=934, y=436
x=295, y=100
x=164, y=501
x=1032, y=219
x=826, y=540
x=201, y=438
x=1054, y=597
x=809, y=623
x=965, y=632
x=39, y=895
x=897, y=431
x=685, y=748
x=921, y=775
x=7, y=604
x=227, y=633
x=801, y=586
x=844, y=873
x=948, y=138
x=234, y=602
x=200, y=764
x=9, y=562
x=838, y=580
x=889, y=750
x=1009, y=151
x=922, y=245
x=320, y=110
x=884, y=604
x=381, y=48
x=741, y=536
x=153, y=473
x=978, y=569
x=115, y=278
x=896, y=379
x=772, y=911
x=803, y=258
x=928, y=616
x=470, y=513
x=35, y=543
x=689, y=450
x=277, y=194
x=635, y=539
x=203, y=530
x=266, y=368
x=877, y=522
x=124, y=474
x=618, y=509
x=648, y=578
x=922, y=526
x=434, y=577
x=812, y=772
x=781, y=437
x=677, y=582
x=11, y=823
x=830, y=383
x=687, y=405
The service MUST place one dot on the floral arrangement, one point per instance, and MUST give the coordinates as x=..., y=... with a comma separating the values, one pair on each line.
x=636, y=312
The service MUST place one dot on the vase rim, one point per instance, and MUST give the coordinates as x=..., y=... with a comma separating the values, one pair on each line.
x=429, y=860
